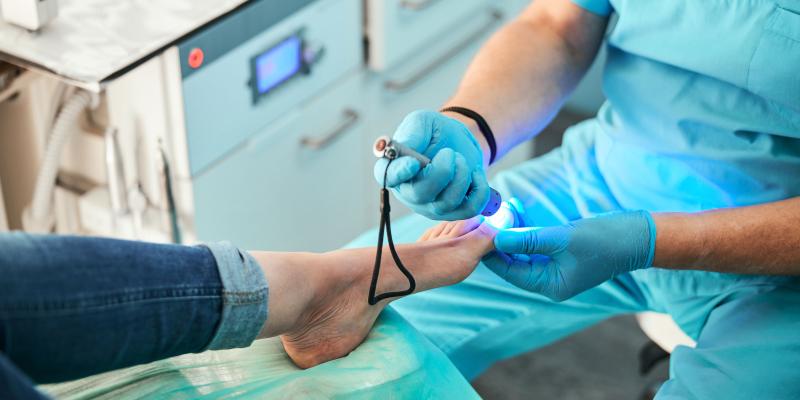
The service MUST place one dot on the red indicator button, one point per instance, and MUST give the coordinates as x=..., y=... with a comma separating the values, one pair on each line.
x=196, y=58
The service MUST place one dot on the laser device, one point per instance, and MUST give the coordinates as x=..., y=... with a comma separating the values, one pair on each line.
x=387, y=148
x=511, y=214
x=500, y=214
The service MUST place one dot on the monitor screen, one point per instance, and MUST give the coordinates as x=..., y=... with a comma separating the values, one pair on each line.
x=278, y=64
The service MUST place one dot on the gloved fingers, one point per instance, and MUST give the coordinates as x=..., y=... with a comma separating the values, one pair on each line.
x=547, y=241
x=416, y=130
x=518, y=271
x=453, y=195
x=531, y=273
x=379, y=169
x=476, y=198
x=401, y=170
x=547, y=278
x=429, y=182
x=499, y=263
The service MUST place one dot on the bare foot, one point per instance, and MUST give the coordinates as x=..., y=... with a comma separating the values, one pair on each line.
x=450, y=230
x=338, y=318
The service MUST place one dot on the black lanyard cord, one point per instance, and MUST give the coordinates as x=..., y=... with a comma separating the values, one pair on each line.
x=386, y=223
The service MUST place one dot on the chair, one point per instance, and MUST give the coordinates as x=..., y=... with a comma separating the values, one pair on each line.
x=664, y=335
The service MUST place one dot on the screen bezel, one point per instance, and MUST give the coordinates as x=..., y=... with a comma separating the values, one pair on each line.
x=301, y=70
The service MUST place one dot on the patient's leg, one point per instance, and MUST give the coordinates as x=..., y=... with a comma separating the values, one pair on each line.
x=318, y=302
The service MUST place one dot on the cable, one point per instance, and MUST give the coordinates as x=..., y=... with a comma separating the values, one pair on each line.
x=175, y=229
x=386, y=223
x=38, y=217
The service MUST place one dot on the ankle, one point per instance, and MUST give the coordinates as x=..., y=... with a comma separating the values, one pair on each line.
x=293, y=282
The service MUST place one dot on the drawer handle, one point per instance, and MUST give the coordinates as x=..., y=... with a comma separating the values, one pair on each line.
x=405, y=84
x=418, y=5
x=350, y=119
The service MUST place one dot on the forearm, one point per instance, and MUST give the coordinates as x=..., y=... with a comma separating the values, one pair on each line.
x=762, y=239
x=522, y=76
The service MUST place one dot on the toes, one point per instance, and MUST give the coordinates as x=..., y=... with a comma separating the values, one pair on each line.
x=465, y=226
x=461, y=228
x=481, y=239
x=433, y=232
x=451, y=230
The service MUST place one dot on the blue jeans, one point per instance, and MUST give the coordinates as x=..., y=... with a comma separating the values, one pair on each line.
x=76, y=306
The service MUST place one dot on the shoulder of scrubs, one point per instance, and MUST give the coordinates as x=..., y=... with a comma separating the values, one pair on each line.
x=599, y=7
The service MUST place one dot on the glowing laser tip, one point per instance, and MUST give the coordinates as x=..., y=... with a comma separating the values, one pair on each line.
x=503, y=218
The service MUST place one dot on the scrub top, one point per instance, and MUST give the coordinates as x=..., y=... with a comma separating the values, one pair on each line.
x=703, y=103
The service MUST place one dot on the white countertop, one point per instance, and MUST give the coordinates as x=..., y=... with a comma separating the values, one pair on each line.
x=91, y=40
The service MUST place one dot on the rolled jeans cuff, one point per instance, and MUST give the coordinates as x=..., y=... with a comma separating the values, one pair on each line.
x=244, y=297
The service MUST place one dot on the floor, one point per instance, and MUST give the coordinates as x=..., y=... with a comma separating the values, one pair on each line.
x=598, y=363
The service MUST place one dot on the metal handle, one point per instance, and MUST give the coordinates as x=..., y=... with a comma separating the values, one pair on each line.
x=416, y=5
x=401, y=85
x=350, y=119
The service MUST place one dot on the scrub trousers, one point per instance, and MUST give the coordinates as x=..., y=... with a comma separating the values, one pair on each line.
x=747, y=328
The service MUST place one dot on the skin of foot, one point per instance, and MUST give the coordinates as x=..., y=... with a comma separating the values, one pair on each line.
x=318, y=302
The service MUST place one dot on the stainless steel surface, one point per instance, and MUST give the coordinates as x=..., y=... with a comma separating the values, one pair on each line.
x=398, y=149
x=317, y=143
x=405, y=84
x=92, y=40
x=115, y=172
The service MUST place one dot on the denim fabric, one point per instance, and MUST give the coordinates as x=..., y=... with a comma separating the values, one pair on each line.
x=76, y=306
x=245, y=294
x=14, y=384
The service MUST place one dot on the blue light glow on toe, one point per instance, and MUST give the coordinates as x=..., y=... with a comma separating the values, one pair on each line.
x=504, y=218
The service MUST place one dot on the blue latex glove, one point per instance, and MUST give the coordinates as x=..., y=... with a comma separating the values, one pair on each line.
x=562, y=261
x=453, y=186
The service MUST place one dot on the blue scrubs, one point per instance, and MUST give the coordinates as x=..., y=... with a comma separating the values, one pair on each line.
x=703, y=112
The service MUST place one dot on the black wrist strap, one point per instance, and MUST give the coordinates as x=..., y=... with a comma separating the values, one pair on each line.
x=483, y=126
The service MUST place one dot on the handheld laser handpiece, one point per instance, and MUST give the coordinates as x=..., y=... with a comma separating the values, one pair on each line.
x=387, y=148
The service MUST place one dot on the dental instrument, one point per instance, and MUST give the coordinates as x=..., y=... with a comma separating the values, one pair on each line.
x=509, y=216
x=387, y=148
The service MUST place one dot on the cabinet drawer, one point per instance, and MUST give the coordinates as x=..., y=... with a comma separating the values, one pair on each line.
x=398, y=28
x=221, y=104
x=296, y=185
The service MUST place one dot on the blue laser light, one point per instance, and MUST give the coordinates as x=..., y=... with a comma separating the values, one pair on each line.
x=509, y=215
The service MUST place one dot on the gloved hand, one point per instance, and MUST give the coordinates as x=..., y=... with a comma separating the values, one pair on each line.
x=562, y=261
x=453, y=186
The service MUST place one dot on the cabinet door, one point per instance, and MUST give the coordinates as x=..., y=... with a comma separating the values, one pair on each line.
x=398, y=28
x=221, y=112
x=297, y=185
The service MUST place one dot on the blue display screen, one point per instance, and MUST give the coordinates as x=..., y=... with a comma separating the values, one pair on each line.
x=278, y=64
